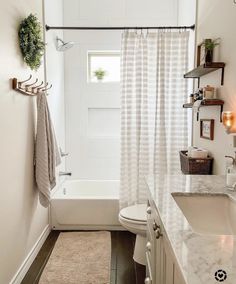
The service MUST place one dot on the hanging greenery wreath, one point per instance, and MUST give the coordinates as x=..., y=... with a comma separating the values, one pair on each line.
x=31, y=42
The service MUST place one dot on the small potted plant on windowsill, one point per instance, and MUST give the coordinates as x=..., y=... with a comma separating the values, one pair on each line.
x=99, y=74
x=209, y=45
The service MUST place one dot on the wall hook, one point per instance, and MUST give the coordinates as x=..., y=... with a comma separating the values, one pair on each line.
x=41, y=88
x=47, y=88
x=33, y=89
x=29, y=85
x=22, y=82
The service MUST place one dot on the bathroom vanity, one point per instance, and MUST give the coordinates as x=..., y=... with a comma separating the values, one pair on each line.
x=162, y=266
x=191, y=230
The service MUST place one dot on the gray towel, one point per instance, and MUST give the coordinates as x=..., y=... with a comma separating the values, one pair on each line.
x=47, y=155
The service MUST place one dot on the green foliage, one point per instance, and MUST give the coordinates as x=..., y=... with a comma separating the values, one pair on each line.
x=210, y=44
x=100, y=73
x=31, y=42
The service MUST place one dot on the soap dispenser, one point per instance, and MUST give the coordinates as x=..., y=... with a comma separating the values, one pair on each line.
x=231, y=173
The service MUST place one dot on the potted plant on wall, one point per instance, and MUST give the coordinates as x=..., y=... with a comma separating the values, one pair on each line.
x=31, y=41
x=209, y=45
x=99, y=74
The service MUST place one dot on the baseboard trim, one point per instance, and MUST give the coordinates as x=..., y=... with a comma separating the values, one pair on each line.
x=20, y=274
x=88, y=228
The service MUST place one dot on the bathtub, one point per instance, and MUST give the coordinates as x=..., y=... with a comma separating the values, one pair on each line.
x=86, y=205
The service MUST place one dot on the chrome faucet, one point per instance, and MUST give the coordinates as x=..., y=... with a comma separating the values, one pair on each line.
x=65, y=173
x=63, y=154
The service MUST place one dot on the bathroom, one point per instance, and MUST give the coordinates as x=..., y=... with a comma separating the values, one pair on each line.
x=86, y=116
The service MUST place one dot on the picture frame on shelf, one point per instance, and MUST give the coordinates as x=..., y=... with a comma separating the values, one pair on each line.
x=200, y=54
x=207, y=129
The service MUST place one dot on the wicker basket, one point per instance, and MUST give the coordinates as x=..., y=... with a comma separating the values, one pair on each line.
x=195, y=166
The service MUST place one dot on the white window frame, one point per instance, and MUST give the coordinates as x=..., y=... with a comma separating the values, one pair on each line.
x=101, y=53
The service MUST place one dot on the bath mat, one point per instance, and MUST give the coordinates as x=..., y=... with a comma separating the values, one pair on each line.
x=79, y=258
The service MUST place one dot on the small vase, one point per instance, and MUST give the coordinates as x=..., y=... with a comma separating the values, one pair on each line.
x=209, y=56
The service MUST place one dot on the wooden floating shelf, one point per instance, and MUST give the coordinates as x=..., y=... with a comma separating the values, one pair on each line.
x=205, y=103
x=206, y=68
x=213, y=102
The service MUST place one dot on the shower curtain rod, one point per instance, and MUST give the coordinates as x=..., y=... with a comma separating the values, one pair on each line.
x=121, y=28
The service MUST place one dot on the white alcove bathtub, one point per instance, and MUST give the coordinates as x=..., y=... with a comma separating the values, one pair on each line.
x=86, y=205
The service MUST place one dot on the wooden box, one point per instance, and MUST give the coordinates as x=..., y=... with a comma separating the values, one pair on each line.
x=195, y=166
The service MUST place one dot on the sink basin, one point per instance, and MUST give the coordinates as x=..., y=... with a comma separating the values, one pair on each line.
x=208, y=214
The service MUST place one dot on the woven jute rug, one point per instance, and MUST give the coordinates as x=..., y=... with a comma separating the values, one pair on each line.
x=79, y=258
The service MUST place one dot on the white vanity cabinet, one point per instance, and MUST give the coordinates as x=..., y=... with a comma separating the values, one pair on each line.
x=162, y=267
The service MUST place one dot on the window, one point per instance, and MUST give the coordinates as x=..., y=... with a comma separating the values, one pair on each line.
x=103, y=66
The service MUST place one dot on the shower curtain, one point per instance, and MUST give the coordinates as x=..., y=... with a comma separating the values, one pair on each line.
x=153, y=123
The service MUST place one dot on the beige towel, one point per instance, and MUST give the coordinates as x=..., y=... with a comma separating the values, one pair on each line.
x=47, y=155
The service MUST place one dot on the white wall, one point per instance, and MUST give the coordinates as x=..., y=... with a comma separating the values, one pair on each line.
x=122, y=12
x=96, y=156
x=55, y=71
x=22, y=218
x=186, y=12
x=187, y=17
x=93, y=154
x=215, y=19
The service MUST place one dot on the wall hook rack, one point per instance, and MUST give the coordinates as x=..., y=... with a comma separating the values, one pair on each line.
x=42, y=88
x=47, y=88
x=29, y=89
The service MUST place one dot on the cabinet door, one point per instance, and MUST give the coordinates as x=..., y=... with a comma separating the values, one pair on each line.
x=159, y=253
x=162, y=267
x=159, y=249
x=150, y=248
x=168, y=263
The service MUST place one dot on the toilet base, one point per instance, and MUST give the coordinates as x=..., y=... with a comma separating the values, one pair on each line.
x=139, y=250
x=140, y=273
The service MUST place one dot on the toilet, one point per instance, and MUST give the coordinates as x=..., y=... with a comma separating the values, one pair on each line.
x=134, y=219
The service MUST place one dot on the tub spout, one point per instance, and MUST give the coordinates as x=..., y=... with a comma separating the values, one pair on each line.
x=65, y=173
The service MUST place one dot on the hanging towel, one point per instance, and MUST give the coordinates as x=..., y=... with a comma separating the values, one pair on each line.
x=47, y=155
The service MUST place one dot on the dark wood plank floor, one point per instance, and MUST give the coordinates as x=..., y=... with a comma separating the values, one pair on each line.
x=36, y=269
x=122, y=264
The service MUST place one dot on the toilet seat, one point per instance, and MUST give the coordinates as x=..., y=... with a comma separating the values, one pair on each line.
x=132, y=222
x=135, y=214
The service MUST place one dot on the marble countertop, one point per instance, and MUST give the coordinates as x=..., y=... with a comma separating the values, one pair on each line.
x=199, y=256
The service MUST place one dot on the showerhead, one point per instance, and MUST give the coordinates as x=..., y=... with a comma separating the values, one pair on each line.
x=63, y=46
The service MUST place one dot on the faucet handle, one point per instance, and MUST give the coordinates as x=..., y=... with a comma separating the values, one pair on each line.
x=233, y=159
x=63, y=154
x=65, y=173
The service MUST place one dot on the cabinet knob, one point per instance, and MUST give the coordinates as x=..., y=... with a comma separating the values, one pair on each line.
x=148, y=246
x=148, y=280
x=158, y=234
x=155, y=226
x=149, y=210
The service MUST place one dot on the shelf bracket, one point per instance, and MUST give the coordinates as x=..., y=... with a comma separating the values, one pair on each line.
x=222, y=75
x=221, y=110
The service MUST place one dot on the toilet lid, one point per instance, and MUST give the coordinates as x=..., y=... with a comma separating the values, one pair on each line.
x=136, y=212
